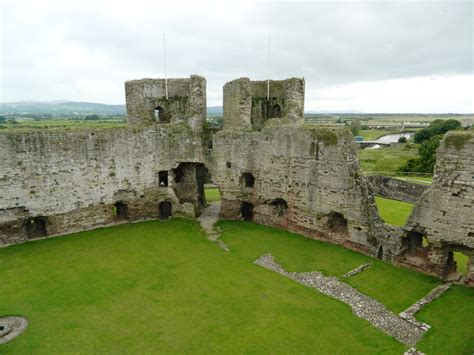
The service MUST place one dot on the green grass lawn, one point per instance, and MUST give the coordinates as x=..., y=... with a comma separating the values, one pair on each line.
x=62, y=123
x=386, y=159
x=444, y=315
x=212, y=194
x=163, y=287
x=424, y=180
x=392, y=211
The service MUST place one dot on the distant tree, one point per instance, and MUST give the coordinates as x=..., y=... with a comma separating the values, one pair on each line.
x=3, y=119
x=92, y=117
x=354, y=126
x=402, y=139
x=435, y=128
x=426, y=162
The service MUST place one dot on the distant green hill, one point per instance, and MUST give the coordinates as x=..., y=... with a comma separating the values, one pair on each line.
x=59, y=108
x=73, y=108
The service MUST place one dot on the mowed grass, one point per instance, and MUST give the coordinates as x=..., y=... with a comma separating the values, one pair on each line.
x=451, y=318
x=424, y=180
x=396, y=288
x=386, y=159
x=393, y=212
x=212, y=194
x=163, y=287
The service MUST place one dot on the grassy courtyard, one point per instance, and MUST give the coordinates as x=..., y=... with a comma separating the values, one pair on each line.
x=392, y=211
x=163, y=287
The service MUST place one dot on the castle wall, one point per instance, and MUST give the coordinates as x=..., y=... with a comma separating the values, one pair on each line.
x=72, y=178
x=247, y=106
x=444, y=214
x=396, y=189
x=314, y=171
x=186, y=102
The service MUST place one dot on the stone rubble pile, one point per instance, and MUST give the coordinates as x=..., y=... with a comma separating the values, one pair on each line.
x=358, y=270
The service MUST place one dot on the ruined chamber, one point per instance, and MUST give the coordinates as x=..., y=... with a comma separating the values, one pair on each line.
x=57, y=181
x=442, y=221
x=274, y=170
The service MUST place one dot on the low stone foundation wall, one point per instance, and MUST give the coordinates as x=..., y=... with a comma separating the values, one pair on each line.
x=397, y=189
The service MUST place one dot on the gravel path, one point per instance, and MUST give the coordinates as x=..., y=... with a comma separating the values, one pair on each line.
x=362, y=306
x=209, y=216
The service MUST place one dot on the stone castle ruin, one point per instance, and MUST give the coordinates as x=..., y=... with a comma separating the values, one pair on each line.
x=268, y=166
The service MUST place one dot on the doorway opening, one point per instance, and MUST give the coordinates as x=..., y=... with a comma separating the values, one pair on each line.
x=246, y=210
x=165, y=209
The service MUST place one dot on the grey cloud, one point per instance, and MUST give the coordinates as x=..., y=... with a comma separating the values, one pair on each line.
x=327, y=43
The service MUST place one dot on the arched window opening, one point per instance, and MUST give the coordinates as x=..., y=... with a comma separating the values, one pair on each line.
x=163, y=178
x=246, y=210
x=276, y=111
x=36, y=228
x=165, y=210
x=161, y=116
x=121, y=210
x=248, y=180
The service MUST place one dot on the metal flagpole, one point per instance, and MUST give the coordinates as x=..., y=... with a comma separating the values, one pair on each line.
x=268, y=70
x=166, y=74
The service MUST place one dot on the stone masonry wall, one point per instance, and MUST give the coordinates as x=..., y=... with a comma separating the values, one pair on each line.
x=396, y=189
x=73, y=178
x=186, y=103
x=306, y=180
x=444, y=214
x=246, y=105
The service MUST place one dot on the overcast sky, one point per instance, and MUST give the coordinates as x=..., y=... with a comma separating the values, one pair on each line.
x=370, y=56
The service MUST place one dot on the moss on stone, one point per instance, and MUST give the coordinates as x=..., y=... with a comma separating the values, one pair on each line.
x=457, y=139
x=328, y=136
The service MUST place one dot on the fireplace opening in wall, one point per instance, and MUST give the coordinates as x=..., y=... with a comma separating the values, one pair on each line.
x=36, y=227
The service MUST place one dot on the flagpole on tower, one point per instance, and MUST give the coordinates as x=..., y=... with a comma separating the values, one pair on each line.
x=166, y=74
x=268, y=70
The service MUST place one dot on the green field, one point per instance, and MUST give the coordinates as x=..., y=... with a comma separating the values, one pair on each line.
x=163, y=287
x=386, y=159
x=62, y=123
